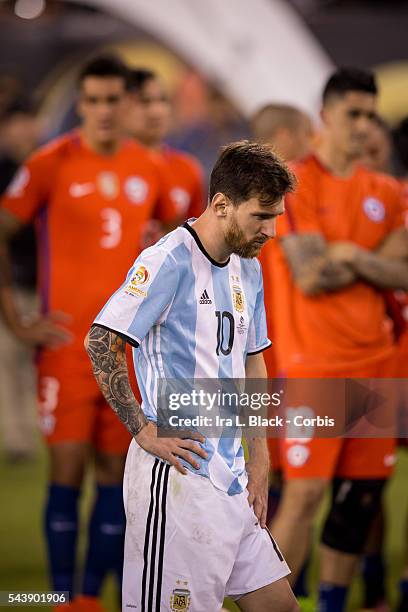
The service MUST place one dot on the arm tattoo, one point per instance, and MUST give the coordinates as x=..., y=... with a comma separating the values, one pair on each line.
x=311, y=266
x=382, y=272
x=107, y=353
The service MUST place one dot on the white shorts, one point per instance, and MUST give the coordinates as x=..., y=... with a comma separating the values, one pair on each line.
x=188, y=545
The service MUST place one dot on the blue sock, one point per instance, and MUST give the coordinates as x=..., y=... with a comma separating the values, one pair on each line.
x=373, y=577
x=332, y=598
x=61, y=528
x=106, y=539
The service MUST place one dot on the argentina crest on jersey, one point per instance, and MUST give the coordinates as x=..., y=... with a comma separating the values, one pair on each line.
x=238, y=299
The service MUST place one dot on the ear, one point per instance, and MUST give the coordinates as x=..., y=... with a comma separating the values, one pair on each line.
x=220, y=204
x=323, y=115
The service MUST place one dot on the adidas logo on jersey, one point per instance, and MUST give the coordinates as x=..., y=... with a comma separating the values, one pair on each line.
x=205, y=298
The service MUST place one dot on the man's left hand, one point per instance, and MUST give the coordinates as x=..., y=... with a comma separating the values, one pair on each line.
x=258, y=490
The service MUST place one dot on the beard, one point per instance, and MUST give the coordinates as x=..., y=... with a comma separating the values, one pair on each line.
x=237, y=243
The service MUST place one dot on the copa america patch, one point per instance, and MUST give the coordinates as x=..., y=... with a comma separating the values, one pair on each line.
x=140, y=277
x=374, y=209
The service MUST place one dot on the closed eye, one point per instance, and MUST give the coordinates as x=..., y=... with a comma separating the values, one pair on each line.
x=266, y=217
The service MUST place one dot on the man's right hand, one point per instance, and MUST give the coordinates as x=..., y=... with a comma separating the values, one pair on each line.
x=45, y=330
x=170, y=449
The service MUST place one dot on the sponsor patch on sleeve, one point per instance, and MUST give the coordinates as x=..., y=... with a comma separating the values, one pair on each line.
x=138, y=281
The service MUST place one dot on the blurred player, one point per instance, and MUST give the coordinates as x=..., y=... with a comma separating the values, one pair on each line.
x=286, y=128
x=148, y=122
x=205, y=541
x=19, y=135
x=400, y=140
x=377, y=157
x=378, y=153
x=327, y=271
x=290, y=132
x=90, y=193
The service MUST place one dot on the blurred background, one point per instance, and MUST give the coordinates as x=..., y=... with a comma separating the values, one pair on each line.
x=220, y=61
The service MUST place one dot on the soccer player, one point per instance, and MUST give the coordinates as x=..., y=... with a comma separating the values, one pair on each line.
x=290, y=132
x=400, y=139
x=148, y=122
x=377, y=157
x=330, y=271
x=19, y=136
x=192, y=307
x=90, y=192
x=287, y=128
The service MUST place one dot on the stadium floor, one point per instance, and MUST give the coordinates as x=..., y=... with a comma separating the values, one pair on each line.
x=22, y=562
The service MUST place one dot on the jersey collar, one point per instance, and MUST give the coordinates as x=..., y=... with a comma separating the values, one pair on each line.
x=188, y=227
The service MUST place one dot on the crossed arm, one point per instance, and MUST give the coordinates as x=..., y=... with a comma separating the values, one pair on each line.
x=107, y=351
x=318, y=267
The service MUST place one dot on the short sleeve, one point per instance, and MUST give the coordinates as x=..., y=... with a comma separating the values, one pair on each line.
x=257, y=333
x=143, y=299
x=28, y=190
x=398, y=207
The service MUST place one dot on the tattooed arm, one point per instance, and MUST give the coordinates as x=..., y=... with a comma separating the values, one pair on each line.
x=386, y=268
x=311, y=264
x=107, y=351
x=108, y=356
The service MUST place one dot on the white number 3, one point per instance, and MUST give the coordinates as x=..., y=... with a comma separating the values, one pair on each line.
x=112, y=226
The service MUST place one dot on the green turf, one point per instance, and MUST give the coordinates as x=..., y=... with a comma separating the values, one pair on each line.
x=22, y=559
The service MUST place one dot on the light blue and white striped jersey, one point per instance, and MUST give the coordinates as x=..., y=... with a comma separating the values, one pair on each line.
x=190, y=317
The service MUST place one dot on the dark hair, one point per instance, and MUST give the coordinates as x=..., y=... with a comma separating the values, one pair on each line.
x=138, y=78
x=105, y=66
x=349, y=79
x=400, y=137
x=247, y=169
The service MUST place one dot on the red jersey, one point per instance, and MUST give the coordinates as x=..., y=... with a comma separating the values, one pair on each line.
x=339, y=330
x=402, y=300
x=90, y=210
x=183, y=180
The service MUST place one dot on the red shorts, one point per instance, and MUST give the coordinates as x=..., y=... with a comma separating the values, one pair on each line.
x=344, y=457
x=71, y=406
